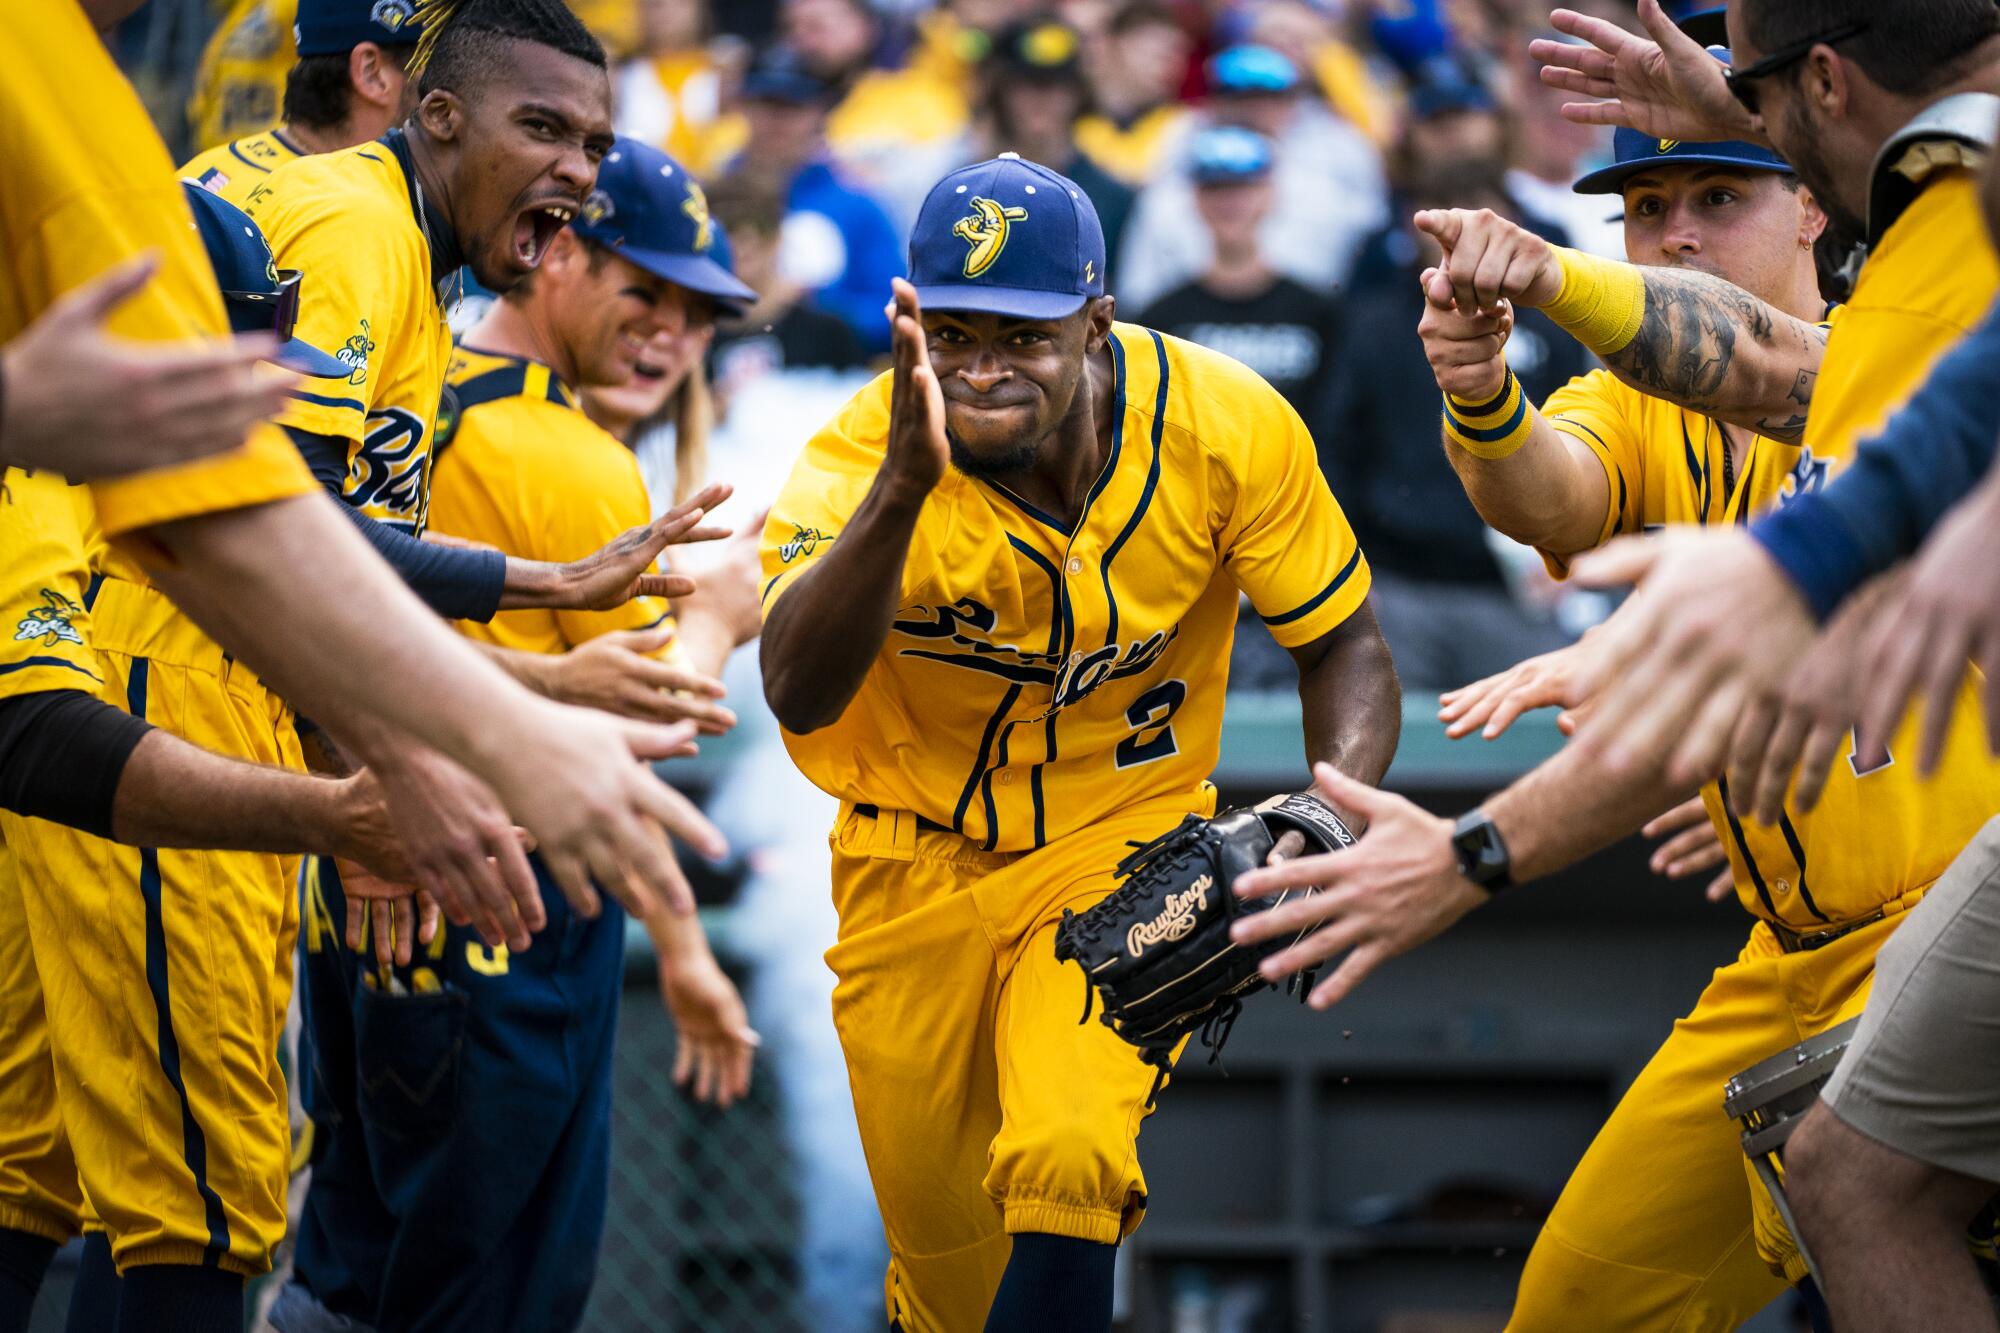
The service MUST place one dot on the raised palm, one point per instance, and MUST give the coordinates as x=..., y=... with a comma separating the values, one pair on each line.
x=1666, y=84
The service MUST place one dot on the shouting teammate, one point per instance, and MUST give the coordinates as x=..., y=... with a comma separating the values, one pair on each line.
x=527, y=1054
x=1001, y=590
x=1830, y=887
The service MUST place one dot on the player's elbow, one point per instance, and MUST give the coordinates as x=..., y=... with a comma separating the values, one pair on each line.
x=796, y=699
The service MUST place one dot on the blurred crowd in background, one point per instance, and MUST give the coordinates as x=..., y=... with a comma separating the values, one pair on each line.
x=1255, y=164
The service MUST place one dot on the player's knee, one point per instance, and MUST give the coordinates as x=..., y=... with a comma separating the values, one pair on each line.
x=1065, y=1160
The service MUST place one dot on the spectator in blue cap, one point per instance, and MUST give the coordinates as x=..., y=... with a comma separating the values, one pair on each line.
x=836, y=239
x=1241, y=304
x=1326, y=176
x=1244, y=308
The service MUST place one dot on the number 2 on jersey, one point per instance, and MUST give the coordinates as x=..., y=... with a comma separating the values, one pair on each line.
x=1152, y=719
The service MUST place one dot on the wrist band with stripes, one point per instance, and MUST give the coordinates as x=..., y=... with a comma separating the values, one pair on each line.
x=1492, y=429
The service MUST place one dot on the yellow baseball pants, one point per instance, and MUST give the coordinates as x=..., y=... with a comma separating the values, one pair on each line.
x=163, y=978
x=986, y=1108
x=1662, y=1226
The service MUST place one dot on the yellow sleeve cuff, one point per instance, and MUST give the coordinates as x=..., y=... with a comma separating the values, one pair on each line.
x=266, y=467
x=1601, y=302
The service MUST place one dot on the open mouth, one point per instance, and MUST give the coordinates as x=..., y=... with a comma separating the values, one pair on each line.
x=535, y=228
x=646, y=370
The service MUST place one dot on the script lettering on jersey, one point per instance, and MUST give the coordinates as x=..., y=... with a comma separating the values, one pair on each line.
x=1807, y=476
x=1175, y=920
x=386, y=475
x=961, y=635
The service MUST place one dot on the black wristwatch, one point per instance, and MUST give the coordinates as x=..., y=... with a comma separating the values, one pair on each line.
x=1482, y=852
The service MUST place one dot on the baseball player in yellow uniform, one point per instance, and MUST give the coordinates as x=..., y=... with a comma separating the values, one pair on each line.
x=345, y=82
x=386, y=1239
x=999, y=599
x=1658, y=1228
x=83, y=1033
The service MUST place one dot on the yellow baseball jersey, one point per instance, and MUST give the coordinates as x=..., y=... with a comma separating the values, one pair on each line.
x=1132, y=152
x=348, y=220
x=89, y=186
x=1879, y=832
x=522, y=468
x=235, y=168
x=239, y=87
x=1038, y=678
x=45, y=587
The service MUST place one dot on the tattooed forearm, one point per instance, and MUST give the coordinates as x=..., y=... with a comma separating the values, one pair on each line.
x=1711, y=346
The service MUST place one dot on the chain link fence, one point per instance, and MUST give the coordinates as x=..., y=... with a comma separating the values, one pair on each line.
x=704, y=1220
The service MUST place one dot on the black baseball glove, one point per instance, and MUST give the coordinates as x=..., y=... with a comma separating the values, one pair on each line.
x=1158, y=949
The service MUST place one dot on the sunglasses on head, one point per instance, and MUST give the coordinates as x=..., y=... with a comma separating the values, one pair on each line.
x=276, y=310
x=1743, y=82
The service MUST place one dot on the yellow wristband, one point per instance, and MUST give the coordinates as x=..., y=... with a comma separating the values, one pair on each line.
x=1601, y=301
x=1492, y=429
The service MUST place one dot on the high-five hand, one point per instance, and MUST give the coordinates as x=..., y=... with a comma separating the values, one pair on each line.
x=1668, y=86
x=620, y=570
x=918, y=452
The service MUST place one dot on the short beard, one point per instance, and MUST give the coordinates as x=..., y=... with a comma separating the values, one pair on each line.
x=1018, y=459
x=1811, y=166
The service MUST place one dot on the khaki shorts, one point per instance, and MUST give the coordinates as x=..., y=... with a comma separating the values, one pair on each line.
x=1923, y=1072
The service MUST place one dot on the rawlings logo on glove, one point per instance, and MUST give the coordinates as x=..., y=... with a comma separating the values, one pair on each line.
x=1158, y=948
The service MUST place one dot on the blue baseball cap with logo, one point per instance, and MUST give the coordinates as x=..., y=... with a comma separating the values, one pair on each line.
x=1229, y=155
x=335, y=27
x=259, y=296
x=1249, y=70
x=1007, y=237
x=1633, y=153
x=650, y=210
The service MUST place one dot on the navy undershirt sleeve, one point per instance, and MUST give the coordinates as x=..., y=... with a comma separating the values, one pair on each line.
x=62, y=753
x=457, y=583
x=1901, y=482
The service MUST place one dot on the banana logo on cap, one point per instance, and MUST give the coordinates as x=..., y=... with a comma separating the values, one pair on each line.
x=985, y=229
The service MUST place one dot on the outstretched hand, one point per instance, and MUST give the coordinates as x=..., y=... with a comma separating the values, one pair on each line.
x=918, y=451
x=623, y=568
x=85, y=403
x=1664, y=84
x=1489, y=261
x=1396, y=887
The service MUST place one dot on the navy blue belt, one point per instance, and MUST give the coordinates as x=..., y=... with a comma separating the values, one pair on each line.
x=931, y=825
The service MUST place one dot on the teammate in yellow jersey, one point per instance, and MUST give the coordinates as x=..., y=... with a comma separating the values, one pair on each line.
x=104, y=773
x=241, y=78
x=1651, y=1231
x=523, y=468
x=1001, y=586
x=348, y=84
x=484, y=179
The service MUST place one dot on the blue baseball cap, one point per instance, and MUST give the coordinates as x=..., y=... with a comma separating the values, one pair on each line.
x=1635, y=153
x=1447, y=83
x=1228, y=155
x=1007, y=237
x=650, y=210
x=778, y=74
x=335, y=27
x=1249, y=69
x=259, y=296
